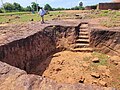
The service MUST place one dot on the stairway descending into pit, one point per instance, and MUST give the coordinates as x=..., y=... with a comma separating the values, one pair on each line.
x=82, y=41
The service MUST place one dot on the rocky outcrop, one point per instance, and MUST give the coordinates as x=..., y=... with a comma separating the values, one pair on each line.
x=12, y=78
x=106, y=41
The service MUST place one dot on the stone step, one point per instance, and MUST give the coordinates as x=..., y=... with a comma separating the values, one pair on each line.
x=81, y=45
x=83, y=37
x=82, y=41
x=84, y=33
x=83, y=30
x=84, y=25
x=82, y=50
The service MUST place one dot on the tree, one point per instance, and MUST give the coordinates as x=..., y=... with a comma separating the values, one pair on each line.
x=1, y=11
x=34, y=6
x=8, y=6
x=81, y=4
x=17, y=7
x=48, y=7
x=28, y=8
x=77, y=8
x=55, y=9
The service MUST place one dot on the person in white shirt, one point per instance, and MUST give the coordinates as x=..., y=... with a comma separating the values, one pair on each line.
x=42, y=12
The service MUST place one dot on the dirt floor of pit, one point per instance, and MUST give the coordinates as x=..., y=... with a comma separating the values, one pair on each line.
x=79, y=67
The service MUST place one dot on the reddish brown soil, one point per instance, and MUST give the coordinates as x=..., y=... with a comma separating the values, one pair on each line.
x=74, y=67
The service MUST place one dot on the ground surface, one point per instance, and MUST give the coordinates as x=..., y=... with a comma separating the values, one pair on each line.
x=78, y=67
x=111, y=18
x=12, y=32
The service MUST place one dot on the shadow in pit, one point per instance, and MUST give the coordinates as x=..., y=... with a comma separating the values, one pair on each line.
x=42, y=66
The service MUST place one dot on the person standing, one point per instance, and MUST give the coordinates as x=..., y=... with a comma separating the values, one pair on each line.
x=42, y=12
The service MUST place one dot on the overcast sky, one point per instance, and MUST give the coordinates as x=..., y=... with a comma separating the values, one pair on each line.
x=56, y=3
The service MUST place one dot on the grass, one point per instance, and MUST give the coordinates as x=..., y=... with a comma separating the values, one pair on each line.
x=25, y=17
x=103, y=61
x=102, y=57
x=112, y=17
x=14, y=13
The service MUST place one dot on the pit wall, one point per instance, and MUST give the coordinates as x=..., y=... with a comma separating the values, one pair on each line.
x=27, y=52
x=64, y=37
x=105, y=41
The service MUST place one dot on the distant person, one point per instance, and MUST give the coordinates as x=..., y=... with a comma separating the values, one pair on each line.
x=33, y=12
x=42, y=12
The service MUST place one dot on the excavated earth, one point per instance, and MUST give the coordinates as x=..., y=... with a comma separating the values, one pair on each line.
x=38, y=56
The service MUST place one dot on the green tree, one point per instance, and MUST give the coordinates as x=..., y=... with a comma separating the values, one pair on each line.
x=77, y=8
x=81, y=8
x=34, y=6
x=81, y=4
x=17, y=7
x=55, y=9
x=1, y=11
x=8, y=6
x=28, y=8
x=48, y=7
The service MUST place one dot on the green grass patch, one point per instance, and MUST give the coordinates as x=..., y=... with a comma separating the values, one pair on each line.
x=103, y=61
x=14, y=13
x=3, y=19
x=112, y=17
x=25, y=17
x=102, y=57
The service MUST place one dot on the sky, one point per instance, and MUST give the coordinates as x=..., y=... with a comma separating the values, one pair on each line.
x=56, y=3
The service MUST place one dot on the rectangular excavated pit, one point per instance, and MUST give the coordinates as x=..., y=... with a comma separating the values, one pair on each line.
x=28, y=53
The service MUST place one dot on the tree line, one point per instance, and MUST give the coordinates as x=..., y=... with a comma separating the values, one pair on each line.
x=16, y=7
